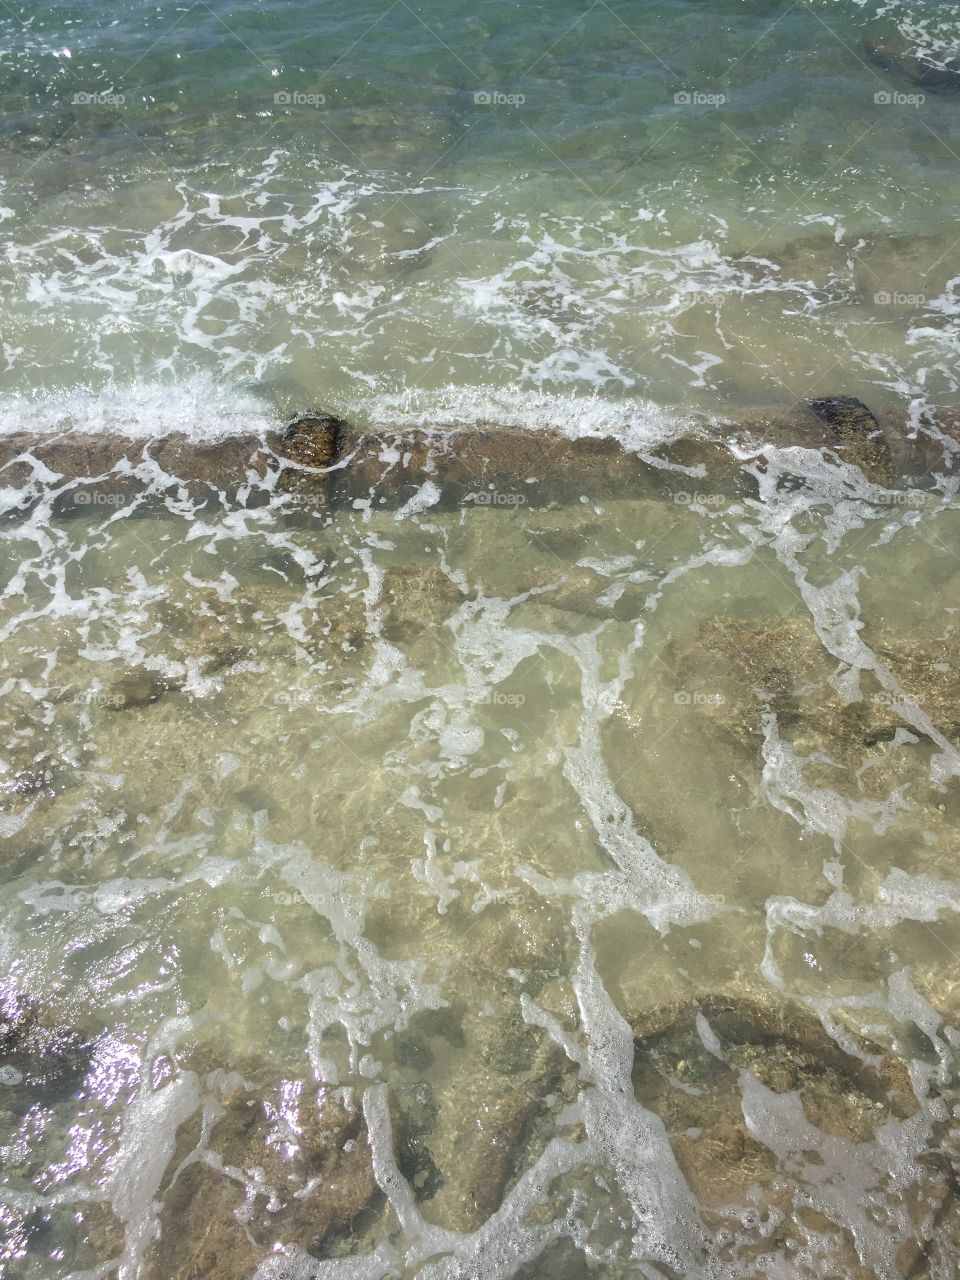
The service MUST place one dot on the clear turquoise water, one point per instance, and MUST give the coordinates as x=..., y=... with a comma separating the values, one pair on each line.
x=401, y=248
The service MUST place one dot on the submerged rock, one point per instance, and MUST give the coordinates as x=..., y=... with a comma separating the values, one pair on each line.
x=780, y=665
x=490, y=1126
x=788, y=1047
x=858, y=433
x=43, y=1064
x=714, y=1068
x=40, y=1059
x=414, y=1118
x=416, y=598
x=139, y=689
x=476, y=1086
x=920, y=69
x=21, y=786
x=282, y=1166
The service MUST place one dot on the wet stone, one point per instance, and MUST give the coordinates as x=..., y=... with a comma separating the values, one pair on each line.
x=312, y=443
x=896, y=56
x=139, y=689
x=322, y=459
x=691, y=1060
x=858, y=433
x=288, y=1165
x=471, y=1112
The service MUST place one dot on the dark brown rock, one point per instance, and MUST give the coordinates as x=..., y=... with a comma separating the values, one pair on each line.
x=311, y=443
x=313, y=440
x=859, y=436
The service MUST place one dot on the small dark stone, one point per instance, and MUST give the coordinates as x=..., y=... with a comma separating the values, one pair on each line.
x=139, y=689
x=417, y=1165
x=414, y=1115
x=311, y=443
x=313, y=439
x=846, y=415
x=859, y=436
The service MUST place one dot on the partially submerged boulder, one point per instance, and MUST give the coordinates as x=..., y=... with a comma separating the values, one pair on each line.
x=139, y=688
x=311, y=443
x=858, y=433
x=922, y=69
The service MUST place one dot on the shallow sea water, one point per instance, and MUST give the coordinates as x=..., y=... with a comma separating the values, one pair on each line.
x=662, y=208
x=549, y=880
x=522, y=886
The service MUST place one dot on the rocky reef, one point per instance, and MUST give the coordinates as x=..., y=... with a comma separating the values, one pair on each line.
x=265, y=1162
x=779, y=664
x=720, y=1069
x=322, y=459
